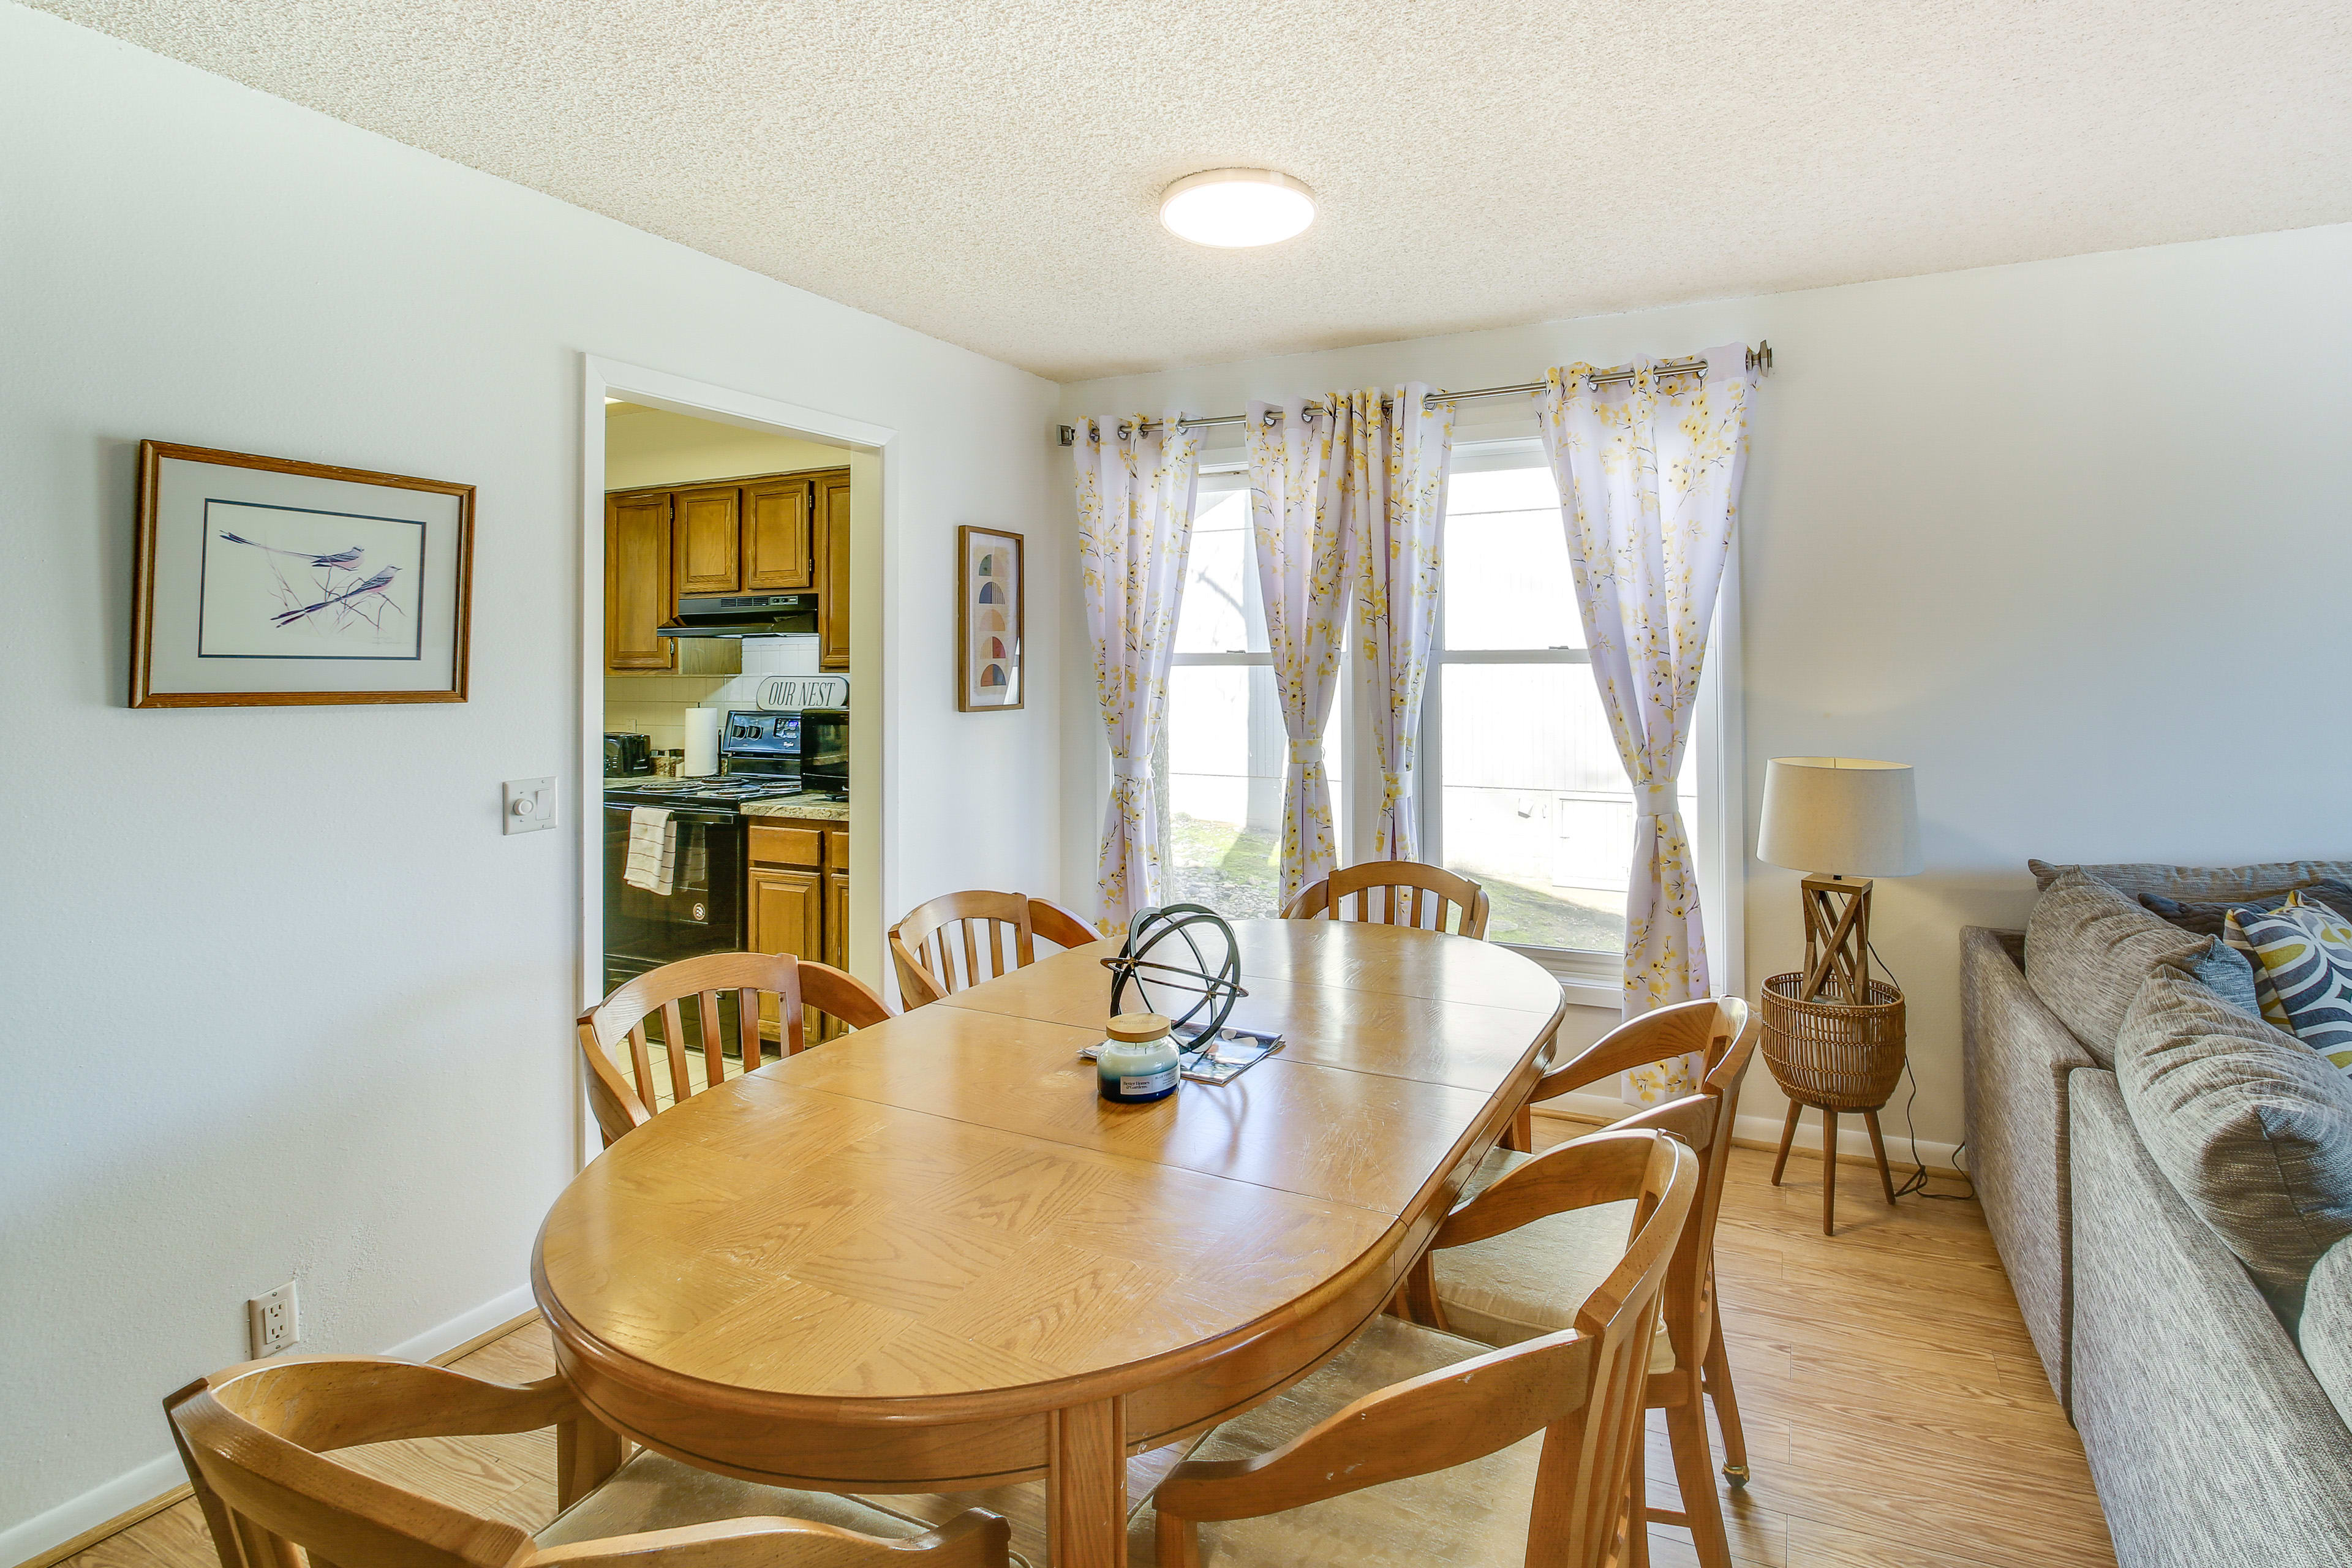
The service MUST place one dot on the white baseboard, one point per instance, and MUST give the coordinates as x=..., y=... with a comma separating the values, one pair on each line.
x=143, y=1483
x=481, y=1320
x=1853, y=1139
x=43, y=1531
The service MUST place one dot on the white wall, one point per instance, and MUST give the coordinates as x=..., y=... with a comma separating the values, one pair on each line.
x=2071, y=536
x=282, y=1001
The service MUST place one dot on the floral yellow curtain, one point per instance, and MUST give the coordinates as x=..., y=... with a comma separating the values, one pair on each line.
x=1136, y=487
x=1649, y=475
x=1303, y=534
x=1399, y=446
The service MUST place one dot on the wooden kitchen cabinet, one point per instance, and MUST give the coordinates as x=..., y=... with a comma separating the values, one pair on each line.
x=787, y=910
x=640, y=592
x=836, y=916
x=779, y=549
x=774, y=533
x=800, y=895
x=709, y=532
x=831, y=507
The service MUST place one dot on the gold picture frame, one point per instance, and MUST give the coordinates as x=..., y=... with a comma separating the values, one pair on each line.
x=264, y=583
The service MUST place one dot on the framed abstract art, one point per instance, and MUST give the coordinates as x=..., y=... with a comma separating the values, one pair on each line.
x=992, y=600
x=262, y=582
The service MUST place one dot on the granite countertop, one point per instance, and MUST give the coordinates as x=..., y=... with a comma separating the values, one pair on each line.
x=810, y=807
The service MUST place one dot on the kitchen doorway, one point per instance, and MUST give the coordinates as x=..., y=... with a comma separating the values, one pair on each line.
x=729, y=540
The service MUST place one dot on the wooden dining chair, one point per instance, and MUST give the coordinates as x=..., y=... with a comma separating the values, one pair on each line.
x=765, y=985
x=1527, y=1283
x=962, y=939
x=1397, y=893
x=256, y=1439
x=1412, y=1445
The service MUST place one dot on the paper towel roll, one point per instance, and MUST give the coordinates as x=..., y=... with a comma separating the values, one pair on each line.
x=701, y=743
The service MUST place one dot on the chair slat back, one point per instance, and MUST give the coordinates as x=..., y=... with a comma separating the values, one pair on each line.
x=959, y=940
x=1723, y=1031
x=1581, y=1388
x=253, y=1440
x=1690, y=1286
x=830, y=993
x=624, y=1100
x=1397, y=892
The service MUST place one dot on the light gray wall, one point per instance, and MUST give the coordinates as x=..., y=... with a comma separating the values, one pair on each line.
x=282, y=1001
x=2071, y=536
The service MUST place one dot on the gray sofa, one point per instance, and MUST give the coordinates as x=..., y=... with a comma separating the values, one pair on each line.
x=2169, y=1183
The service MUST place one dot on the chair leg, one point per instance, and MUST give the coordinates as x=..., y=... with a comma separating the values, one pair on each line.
x=1726, y=1409
x=1878, y=1147
x=1695, y=1474
x=1829, y=1172
x=1787, y=1131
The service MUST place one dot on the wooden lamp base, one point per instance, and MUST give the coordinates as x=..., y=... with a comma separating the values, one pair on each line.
x=1837, y=939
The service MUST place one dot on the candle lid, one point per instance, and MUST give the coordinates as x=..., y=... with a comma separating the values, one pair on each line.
x=1137, y=1028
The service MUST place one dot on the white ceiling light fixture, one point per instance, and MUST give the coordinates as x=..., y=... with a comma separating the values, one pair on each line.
x=1233, y=209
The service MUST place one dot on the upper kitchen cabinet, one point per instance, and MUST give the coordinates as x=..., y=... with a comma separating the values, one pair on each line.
x=779, y=549
x=638, y=592
x=832, y=502
x=709, y=529
x=771, y=533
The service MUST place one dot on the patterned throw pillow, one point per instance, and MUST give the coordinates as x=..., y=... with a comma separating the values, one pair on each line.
x=2302, y=956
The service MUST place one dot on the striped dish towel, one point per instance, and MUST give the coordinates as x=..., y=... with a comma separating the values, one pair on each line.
x=652, y=849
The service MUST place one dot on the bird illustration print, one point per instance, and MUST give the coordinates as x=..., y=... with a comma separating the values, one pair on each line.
x=355, y=601
x=341, y=561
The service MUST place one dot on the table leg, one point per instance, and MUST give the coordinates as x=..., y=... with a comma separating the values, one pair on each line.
x=1829, y=1172
x=1787, y=1131
x=1086, y=1487
x=1878, y=1147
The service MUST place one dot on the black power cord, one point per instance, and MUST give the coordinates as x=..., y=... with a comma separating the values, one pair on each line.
x=1917, y=1182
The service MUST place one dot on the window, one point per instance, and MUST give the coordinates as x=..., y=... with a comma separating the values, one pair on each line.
x=1521, y=788
x=1520, y=784
x=1225, y=746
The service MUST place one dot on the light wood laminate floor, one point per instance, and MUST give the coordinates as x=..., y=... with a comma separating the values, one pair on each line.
x=1896, y=1415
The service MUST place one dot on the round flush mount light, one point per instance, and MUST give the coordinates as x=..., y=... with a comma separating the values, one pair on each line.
x=1231, y=208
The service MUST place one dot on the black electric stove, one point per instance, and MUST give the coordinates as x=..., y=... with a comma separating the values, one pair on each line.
x=721, y=791
x=706, y=908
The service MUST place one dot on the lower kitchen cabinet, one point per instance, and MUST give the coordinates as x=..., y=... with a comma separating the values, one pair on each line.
x=836, y=918
x=799, y=897
x=787, y=911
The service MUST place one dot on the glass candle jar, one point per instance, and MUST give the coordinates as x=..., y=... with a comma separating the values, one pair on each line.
x=1138, y=1062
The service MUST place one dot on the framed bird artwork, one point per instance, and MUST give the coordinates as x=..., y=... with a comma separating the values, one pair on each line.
x=992, y=603
x=263, y=581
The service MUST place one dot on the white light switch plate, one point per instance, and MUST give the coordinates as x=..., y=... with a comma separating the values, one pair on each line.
x=529, y=805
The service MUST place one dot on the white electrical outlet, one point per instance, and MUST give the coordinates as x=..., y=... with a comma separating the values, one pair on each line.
x=529, y=805
x=274, y=1320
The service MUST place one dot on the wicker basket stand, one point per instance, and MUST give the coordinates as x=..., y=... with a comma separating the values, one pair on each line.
x=1834, y=1056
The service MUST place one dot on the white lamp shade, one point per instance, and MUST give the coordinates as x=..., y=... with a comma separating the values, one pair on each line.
x=1845, y=815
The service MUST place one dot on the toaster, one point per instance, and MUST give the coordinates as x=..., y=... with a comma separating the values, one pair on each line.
x=628, y=754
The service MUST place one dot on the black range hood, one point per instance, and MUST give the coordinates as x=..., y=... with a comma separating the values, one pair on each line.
x=741, y=615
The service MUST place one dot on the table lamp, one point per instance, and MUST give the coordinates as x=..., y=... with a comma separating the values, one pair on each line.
x=1842, y=821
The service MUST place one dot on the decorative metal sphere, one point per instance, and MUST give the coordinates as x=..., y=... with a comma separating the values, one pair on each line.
x=1164, y=962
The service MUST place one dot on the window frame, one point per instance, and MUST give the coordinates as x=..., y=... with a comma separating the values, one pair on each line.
x=1717, y=819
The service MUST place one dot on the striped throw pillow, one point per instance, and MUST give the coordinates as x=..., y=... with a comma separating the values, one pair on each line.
x=2302, y=957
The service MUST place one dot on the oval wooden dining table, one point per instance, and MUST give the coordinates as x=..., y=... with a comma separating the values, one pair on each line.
x=927, y=1257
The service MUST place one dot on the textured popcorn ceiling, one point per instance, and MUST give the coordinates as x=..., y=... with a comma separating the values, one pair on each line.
x=988, y=172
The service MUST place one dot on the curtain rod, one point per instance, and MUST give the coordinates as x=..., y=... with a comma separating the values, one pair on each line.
x=1759, y=359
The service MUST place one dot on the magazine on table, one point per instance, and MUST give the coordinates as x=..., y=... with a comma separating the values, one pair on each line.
x=1231, y=1053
